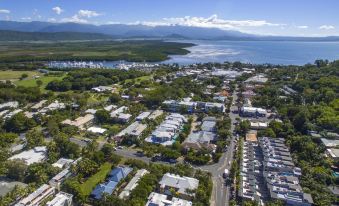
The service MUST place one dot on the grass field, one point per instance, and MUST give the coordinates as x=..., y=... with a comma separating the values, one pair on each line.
x=32, y=82
x=138, y=80
x=100, y=176
x=14, y=75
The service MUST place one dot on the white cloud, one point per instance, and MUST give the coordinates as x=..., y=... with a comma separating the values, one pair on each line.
x=57, y=10
x=51, y=20
x=302, y=27
x=88, y=13
x=81, y=17
x=210, y=22
x=26, y=18
x=75, y=19
x=4, y=11
x=326, y=27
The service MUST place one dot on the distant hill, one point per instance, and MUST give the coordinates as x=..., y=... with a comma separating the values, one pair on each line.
x=143, y=31
x=6, y=35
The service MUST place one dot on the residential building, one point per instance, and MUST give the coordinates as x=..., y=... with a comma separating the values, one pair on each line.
x=204, y=138
x=100, y=89
x=80, y=122
x=119, y=114
x=56, y=105
x=38, y=105
x=142, y=116
x=259, y=79
x=258, y=125
x=253, y=112
x=35, y=155
x=38, y=196
x=12, y=113
x=135, y=129
x=329, y=143
x=155, y=114
x=97, y=130
x=132, y=183
x=168, y=130
x=61, y=199
x=333, y=153
x=156, y=199
x=62, y=163
x=183, y=186
x=58, y=179
x=115, y=176
x=8, y=105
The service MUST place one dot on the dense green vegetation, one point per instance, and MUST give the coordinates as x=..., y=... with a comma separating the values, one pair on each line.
x=150, y=51
x=6, y=35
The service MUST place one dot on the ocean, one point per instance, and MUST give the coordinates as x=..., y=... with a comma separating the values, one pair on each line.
x=258, y=52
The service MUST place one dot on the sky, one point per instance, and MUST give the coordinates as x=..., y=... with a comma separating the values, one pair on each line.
x=264, y=17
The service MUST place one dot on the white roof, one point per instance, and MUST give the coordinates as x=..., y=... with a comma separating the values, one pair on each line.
x=181, y=183
x=62, y=162
x=35, y=155
x=133, y=183
x=91, y=111
x=97, y=130
x=60, y=199
x=143, y=115
x=13, y=104
x=156, y=199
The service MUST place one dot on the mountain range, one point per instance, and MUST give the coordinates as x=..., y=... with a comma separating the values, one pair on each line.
x=140, y=31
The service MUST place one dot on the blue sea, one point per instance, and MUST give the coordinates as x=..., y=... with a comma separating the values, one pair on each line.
x=258, y=52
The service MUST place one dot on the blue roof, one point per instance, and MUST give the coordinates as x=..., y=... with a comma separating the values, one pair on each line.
x=119, y=173
x=108, y=187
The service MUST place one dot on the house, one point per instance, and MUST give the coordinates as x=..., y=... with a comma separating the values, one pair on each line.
x=329, y=143
x=11, y=114
x=38, y=105
x=167, y=131
x=97, y=130
x=62, y=163
x=203, y=139
x=208, y=124
x=61, y=199
x=9, y=105
x=142, y=116
x=211, y=106
x=253, y=112
x=35, y=155
x=56, y=105
x=38, y=196
x=120, y=115
x=101, y=89
x=333, y=153
x=132, y=183
x=259, y=79
x=135, y=129
x=155, y=114
x=58, y=179
x=80, y=122
x=110, y=107
x=258, y=125
x=183, y=186
x=115, y=176
x=156, y=199
x=91, y=111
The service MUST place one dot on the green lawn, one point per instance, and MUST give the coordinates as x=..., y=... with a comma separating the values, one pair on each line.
x=32, y=82
x=90, y=183
x=138, y=80
x=13, y=75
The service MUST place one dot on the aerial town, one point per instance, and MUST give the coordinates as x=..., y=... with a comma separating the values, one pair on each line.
x=169, y=103
x=170, y=136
